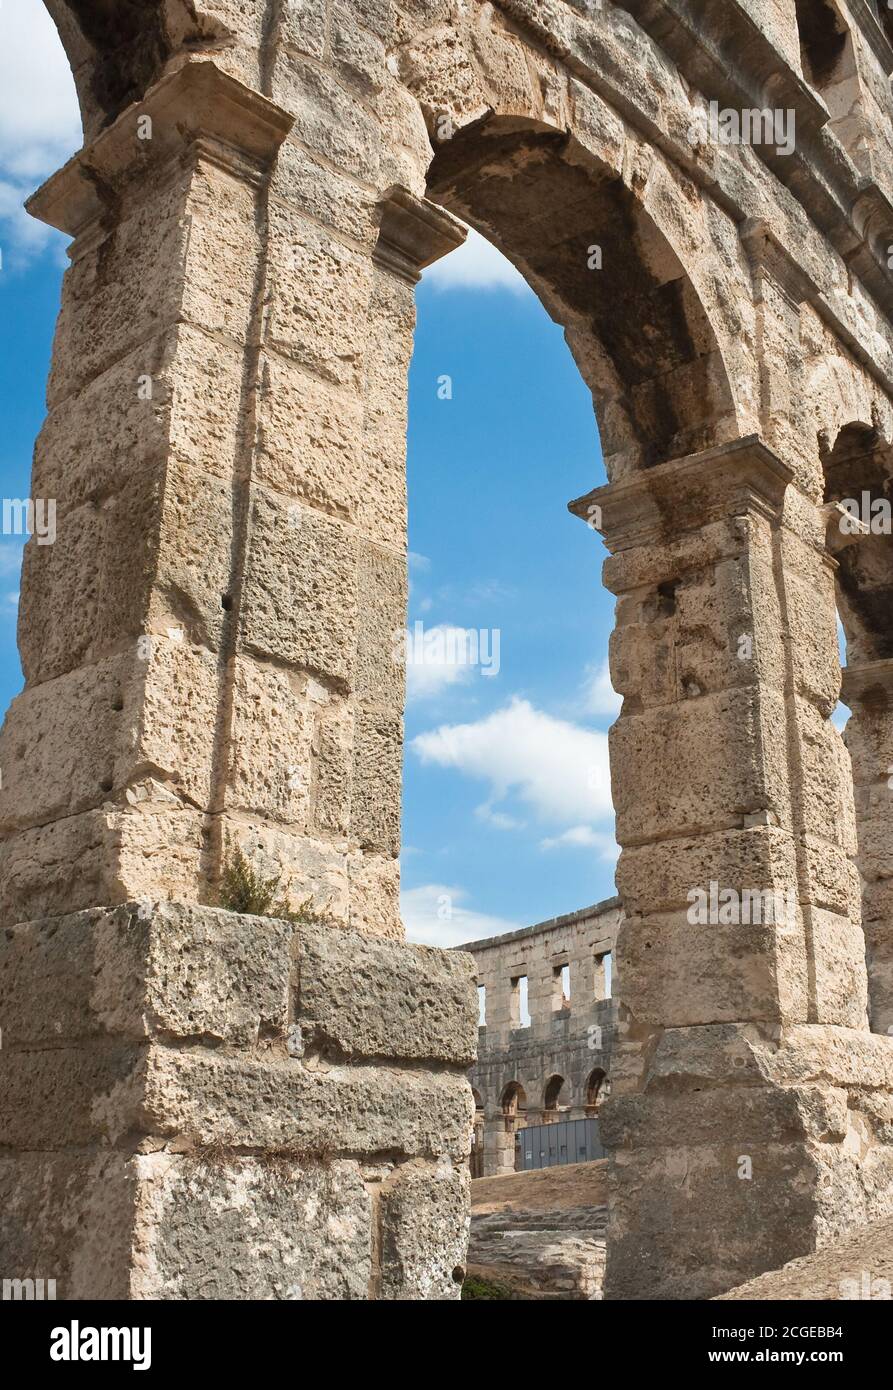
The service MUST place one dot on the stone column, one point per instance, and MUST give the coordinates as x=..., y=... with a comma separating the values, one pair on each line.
x=193, y=1102
x=746, y=1122
x=868, y=691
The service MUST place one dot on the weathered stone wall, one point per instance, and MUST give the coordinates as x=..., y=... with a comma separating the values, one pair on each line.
x=208, y=645
x=207, y=1105
x=566, y=1038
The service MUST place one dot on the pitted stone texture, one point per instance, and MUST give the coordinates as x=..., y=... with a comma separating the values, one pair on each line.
x=234, y=1228
x=374, y=999
x=164, y=1096
x=424, y=1217
x=858, y=1268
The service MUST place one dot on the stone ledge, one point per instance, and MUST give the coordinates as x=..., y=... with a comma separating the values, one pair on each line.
x=198, y=975
x=150, y=1098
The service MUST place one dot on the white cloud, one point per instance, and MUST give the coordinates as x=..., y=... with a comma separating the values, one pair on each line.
x=40, y=127
x=558, y=769
x=434, y=916
x=585, y=837
x=440, y=656
x=599, y=695
x=476, y=265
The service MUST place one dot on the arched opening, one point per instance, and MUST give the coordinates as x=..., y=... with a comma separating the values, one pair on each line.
x=119, y=48
x=859, y=510
x=597, y=1088
x=555, y=1099
x=569, y=226
x=476, y=1158
x=829, y=63
x=513, y=1101
x=859, y=488
x=823, y=39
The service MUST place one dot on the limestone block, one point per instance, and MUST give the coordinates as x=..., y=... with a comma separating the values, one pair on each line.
x=332, y=767
x=377, y=765
x=70, y=1216
x=826, y=777
x=357, y=55
x=95, y=439
x=82, y=595
x=378, y=999
x=223, y=232
x=245, y=1228
x=299, y=603
x=652, y=878
x=113, y=1225
x=270, y=747
x=203, y=378
x=812, y=622
x=153, y=847
x=328, y=118
x=745, y=1117
x=319, y=296
x=684, y=1225
x=181, y=973
x=802, y=1055
x=699, y=763
x=286, y=1107
x=380, y=676
x=309, y=438
x=309, y=868
x=599, y=129
x=122, y=293
x=375, y=894
x=302, y=26
x=70, y=1097
x=194, y=578
x=829, y=878
x=425, y=1227
x=175, y=677
x=677, y=975
x=335, y=200
x=61, y=741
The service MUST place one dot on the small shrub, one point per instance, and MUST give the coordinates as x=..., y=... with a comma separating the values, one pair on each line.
x=244, y=890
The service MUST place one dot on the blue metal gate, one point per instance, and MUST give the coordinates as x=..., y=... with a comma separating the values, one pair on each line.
x=567, y=1141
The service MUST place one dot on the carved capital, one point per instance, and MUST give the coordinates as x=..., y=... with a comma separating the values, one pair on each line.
x=869, y=684
x=196, y=108
x=414, y=233
x=660, y=504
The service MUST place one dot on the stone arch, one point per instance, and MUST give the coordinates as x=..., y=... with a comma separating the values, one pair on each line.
x=859, y=506
x=513, y=1101
x=859, y=488
x=665, y=363
x=823, y=41
x=553, y=1092
x=597, y=1087
x=659, y=393
x=119, y=48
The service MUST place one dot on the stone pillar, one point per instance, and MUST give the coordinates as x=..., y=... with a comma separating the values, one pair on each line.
x=868, y=691
x=746, y=1121
x=196, y=1103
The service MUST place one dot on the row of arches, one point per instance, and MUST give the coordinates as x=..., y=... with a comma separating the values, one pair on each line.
x=513, y=1103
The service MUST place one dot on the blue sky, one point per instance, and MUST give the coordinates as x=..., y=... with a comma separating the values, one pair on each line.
x=507, y=816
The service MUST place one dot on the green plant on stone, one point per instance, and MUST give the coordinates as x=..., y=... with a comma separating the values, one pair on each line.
x=244, y=890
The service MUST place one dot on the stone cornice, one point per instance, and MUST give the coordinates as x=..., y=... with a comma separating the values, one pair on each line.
x=869, y=683
x=697, y=37
x=661, y=503
x=414, y=233
x=870, y=26
x=198, y=106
